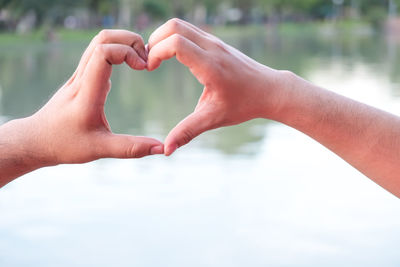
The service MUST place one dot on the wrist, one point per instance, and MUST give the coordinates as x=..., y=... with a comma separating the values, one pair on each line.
x=298, y=100
x=18, y=150
x=25, y=144
x=278, y=89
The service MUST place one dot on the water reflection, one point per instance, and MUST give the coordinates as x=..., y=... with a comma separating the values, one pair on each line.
x=258, y=194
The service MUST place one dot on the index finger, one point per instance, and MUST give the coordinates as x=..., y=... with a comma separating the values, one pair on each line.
x=186, y=51
x=95, y=79
x=112, y=36
x=177, y=26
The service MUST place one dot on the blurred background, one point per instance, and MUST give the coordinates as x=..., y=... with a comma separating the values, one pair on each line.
x=257, y=194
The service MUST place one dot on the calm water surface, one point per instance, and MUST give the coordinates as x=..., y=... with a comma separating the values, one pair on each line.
x=259, y=194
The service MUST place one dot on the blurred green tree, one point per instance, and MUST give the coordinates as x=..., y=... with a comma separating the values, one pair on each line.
x=54, y=11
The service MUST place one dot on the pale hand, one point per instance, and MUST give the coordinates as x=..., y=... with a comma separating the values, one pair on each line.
x=236, y=88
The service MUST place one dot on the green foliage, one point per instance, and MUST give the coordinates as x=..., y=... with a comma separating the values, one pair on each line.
x=374, y=11
x=102, y=7
x=156, y=9
x=42, y=8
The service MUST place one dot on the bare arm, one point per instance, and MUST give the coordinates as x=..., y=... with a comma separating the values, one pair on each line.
x=18, y=154
x=72, y=126
x=366, y=137
x=237, y=89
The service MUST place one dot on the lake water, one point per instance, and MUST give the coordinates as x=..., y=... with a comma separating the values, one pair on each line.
x=258, y=194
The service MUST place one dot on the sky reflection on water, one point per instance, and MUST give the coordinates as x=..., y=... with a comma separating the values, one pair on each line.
x=252, y=195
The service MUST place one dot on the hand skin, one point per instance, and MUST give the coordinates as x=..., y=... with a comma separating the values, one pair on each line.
x=237, y=89
x=72, y=126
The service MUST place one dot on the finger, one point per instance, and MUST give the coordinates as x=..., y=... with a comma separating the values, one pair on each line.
x=112, y=36
x=98, y=72
x=177, y=26
x=187, y=52
x=195, y=28
x=192, y=126
x=83, y=61
x=126, y=146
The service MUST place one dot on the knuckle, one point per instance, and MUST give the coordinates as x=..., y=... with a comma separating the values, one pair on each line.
x=135, y=151
x=103, y=35
x=220, y=45
x=288, y=75
x=100, y=50
x=174, y=24
x=138, y=37
x=186, y=137
x=137, y=40
x=131, y=152
x=177, y=40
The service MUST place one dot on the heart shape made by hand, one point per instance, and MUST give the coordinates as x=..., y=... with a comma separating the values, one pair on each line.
x=234, y=85
x=79, y=131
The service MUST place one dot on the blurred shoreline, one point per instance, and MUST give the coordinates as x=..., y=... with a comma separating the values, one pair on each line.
x=43, y=35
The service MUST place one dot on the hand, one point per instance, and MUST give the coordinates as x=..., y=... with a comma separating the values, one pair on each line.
x=236, y=88
x=72, y=126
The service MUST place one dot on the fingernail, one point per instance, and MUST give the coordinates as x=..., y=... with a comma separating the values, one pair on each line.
x=171, y=149
x=149, y=66
x=142, y=63
x=157, y=150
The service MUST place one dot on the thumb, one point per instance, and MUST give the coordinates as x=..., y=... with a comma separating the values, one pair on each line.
x=192, y=126
x=126, y=146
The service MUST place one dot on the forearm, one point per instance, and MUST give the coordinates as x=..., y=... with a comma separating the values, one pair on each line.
x=365, y=137
x=18, y=151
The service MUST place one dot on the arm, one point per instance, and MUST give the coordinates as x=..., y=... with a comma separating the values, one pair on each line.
x=72, y=127
x=365, y=137
x=237, y=89
x=18, y=154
